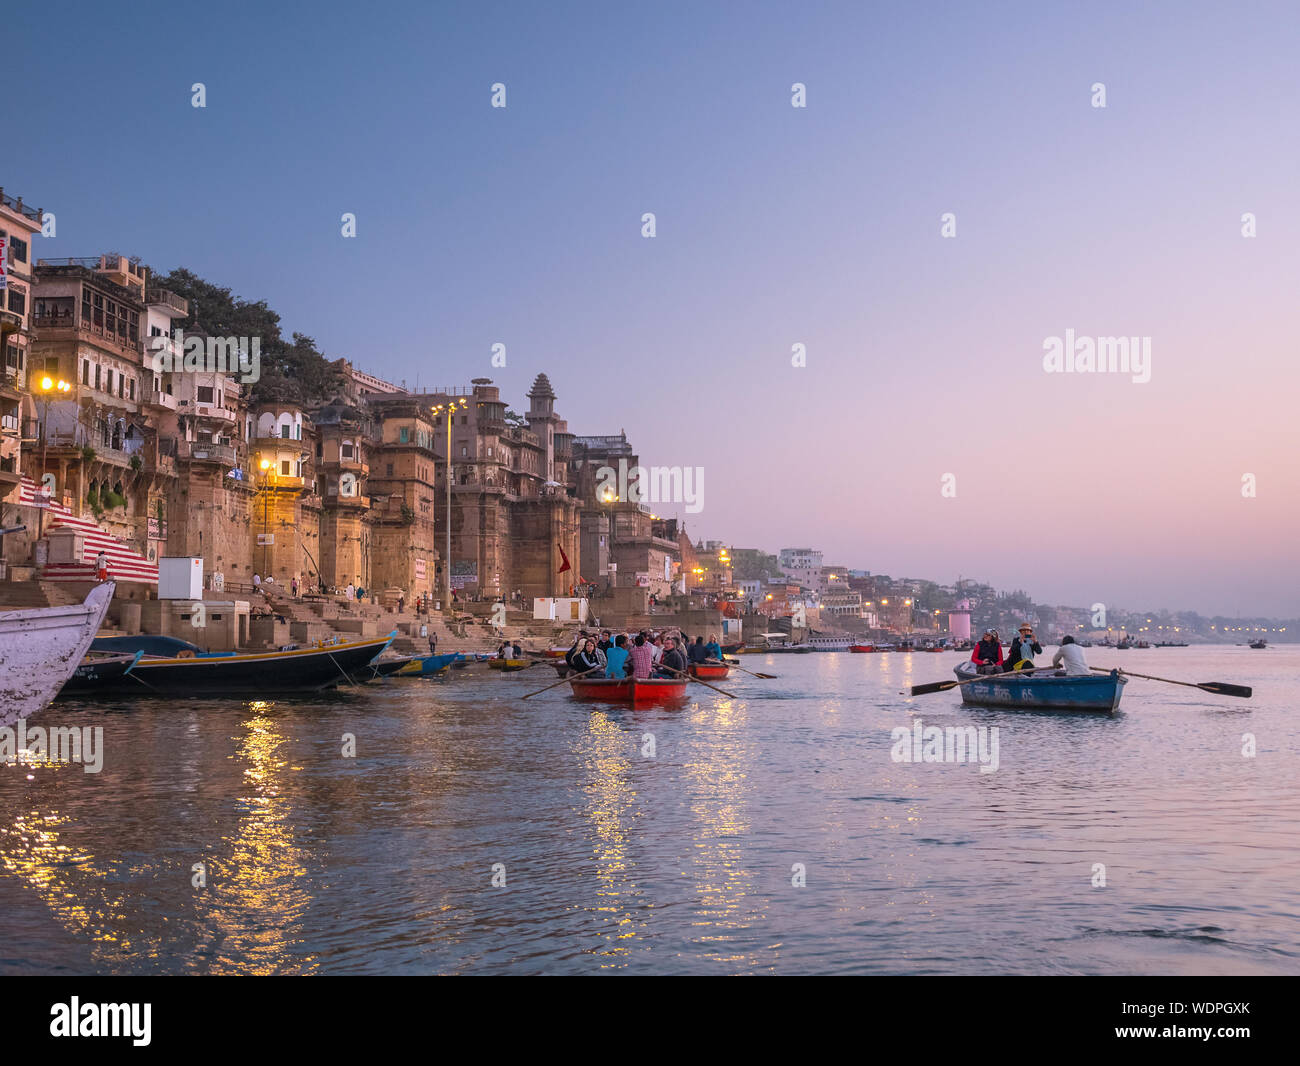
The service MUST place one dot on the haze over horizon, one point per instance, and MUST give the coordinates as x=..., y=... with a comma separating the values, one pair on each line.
x=776, y=226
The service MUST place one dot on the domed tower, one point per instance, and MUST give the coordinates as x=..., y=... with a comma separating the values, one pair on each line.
x=542, y=420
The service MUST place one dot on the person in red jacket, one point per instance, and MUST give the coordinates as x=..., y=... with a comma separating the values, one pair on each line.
x=987, y=655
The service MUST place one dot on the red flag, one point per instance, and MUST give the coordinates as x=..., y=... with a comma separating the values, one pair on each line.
x=566, y=565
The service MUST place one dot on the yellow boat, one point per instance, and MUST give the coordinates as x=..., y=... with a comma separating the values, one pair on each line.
x=510, y=664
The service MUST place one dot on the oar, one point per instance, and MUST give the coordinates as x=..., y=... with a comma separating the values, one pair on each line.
x=563, y=681
x=1219, y=688
x=736, y=666
x=944, y=686
x=690, y=677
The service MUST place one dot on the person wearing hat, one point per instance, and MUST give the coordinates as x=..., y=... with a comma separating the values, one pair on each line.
x=987, y=655
x=1023, y=649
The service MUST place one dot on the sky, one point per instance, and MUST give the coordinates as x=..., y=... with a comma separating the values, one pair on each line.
x=775, y=226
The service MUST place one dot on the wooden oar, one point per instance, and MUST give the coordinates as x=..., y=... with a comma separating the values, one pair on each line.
x=690, y=677
x=563, y=681
x=752, y=673
x=1219, y=688
x=944, y=686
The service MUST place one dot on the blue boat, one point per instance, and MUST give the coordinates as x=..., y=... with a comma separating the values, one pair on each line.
x=1043, y=690
x=427, y=665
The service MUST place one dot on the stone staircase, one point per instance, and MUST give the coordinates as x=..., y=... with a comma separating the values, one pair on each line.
x=26, y=595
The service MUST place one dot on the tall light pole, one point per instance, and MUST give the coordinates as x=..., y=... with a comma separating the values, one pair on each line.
x=448, y=409
x=267, y=480
x=49, y=388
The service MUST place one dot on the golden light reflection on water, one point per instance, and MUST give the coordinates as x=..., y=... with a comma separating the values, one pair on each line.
x=248, y=915
x=604, y=750
x=257, y=894
x=717, y=780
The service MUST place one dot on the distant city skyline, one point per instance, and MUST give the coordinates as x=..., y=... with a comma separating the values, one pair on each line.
x=775, y=226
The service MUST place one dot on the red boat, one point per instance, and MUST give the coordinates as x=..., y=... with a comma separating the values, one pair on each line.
x=710, y=671
x=637, y=692
x=862, y=647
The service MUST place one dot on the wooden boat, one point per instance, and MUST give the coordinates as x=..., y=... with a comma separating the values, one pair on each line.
x=1043, y=690
x=637, y=692
x=1258, y=644
x=97, y=672
x=41, y=648
x=710, y=671
x=378, y=668
x=1171, y=644
x=509, y=664
x=254, y=674
x=862, y=649
x=426, y=665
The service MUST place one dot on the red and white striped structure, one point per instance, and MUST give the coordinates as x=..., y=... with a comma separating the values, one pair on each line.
x=124, y=563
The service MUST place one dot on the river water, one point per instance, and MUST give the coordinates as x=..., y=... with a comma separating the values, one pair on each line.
x=668, y=840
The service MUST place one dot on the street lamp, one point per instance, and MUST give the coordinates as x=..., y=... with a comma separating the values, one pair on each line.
x=49, y=388
x=449, y=410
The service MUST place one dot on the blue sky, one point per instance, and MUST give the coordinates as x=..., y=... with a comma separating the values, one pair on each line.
x=776, y=226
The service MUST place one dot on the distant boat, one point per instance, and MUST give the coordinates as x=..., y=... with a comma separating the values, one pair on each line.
x=41, y=648
x=1258, y=644
x=1172, y=644
x=510, y=664
x=1042, y=690
x=862, y=649
x=830, y=643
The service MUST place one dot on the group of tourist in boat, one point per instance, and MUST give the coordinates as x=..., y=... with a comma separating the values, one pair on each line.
x=988, y=658
x=641, y=655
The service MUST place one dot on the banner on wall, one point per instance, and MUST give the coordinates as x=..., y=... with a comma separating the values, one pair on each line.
x=463, y=574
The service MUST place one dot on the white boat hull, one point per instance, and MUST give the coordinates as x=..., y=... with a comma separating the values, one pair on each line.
x=42, y=647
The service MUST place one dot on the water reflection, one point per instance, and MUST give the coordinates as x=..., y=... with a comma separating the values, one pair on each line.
x=257, y=891
x=604, y=749
x=722, y=753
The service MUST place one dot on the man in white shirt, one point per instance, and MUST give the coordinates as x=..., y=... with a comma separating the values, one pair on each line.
x=1072, y=656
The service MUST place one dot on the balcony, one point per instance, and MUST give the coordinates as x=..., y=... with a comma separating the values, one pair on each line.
x=214, y=411
x=204, y=452
x=155, y=398
x=31, y=213
x=168, y=299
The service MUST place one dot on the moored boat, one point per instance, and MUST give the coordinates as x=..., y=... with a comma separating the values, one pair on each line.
x=862, y=649
x=635, y=691
x=427, y=665
x=254, y=674
x=97, y=672
x=41, y=648
x=1042, y=690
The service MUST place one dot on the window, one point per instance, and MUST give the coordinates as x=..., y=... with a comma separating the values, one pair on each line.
x=284, y=467
x=204, y=393
x=97, y=370
x=347, y=451
x=85, y=371
x=284, y=432
x=17, y=250
x=17, y=301
x=404, y=435
x=121, y=384
x=464, y=419
x=132, y=388
x=390, y=469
